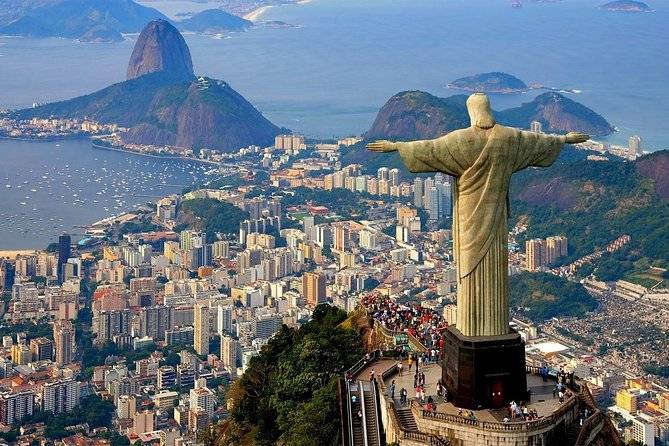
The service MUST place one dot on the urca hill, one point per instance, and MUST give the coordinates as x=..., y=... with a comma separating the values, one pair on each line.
x=162, y=102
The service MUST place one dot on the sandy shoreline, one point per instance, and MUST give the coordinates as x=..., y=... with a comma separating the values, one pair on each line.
x=256, y=14
x=12, y=253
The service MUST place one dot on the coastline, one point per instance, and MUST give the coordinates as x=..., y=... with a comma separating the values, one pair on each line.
x=12, y=253
x=255, y=15
x=182, y=158
x=47, y=139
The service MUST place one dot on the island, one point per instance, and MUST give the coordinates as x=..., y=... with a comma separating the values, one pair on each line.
x=494, y=82
x=626, y=6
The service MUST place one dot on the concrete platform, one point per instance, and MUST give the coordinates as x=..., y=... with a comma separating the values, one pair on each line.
x=542, y=392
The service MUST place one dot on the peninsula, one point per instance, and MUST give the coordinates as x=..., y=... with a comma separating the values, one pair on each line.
x=163, y=103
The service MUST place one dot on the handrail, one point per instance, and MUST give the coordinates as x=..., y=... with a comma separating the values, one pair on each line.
x=412, y=339
x=515, y=426
x=350, y=413
x=361, y=390
x=355, y=368
x=424, y=437
x=587, y=427
x=377, y=412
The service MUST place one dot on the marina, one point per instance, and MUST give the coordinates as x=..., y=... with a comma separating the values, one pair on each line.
x=50, y=188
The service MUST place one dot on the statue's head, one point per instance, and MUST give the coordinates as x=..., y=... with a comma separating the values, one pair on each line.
x=480, y=113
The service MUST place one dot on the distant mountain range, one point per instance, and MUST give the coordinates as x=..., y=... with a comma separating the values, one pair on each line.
x=419, y=115
x=162, y=102
x=100, y=20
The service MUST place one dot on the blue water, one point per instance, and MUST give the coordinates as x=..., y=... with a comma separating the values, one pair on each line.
x=330, y=75
x=55, y=186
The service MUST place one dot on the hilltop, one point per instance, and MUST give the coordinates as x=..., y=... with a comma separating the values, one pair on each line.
x=418, y=115
x=163, y=103
x=412, y=115
x=593, y=203
x=212, y=21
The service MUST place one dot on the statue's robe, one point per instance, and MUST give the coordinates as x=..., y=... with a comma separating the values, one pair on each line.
x=482, y=161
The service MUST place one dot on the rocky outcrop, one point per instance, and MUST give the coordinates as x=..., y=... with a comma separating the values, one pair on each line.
x=213, y=21
x=160, y=47
x=558, y=114
x=163, y=103
x=655, y=166
x=418, y=115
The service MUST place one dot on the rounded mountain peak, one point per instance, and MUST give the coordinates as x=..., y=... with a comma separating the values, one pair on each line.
x=160, y=48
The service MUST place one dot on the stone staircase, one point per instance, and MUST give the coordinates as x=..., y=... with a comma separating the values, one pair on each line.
x=406, y=419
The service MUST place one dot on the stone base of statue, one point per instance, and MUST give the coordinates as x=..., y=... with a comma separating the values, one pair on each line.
x=484, y=372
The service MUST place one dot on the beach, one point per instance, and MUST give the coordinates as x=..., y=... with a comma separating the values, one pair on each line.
x=254, y=15
x=11, y=254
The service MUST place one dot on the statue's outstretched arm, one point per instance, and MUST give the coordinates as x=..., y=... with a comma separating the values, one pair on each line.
x=431, y=155
x=541, y=150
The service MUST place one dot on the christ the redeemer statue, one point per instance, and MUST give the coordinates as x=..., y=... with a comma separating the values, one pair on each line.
x=482, y=158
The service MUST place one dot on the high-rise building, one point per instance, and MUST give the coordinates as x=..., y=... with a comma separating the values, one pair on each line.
x=627, y=399
x=230, y=353
x=201, y=333
x=394, y=177
x=154, y=321
x=382, y=173
x=536, y=127
x=643, y=431
x=202, y=397
x=64, y=252
x=15, y=406
x=313, y=288
x=167, y=377
x=534, y=254
x=60, y=396
x=180, y=336
x=21, y=354
x=41, y=349
x=635, y=145
x=267, y=325
x=224, y=319
x=418, y=192
x=342, y=238
x=555, y=247
x=185, y=375
x=109, y=324
x=221, y=249
x=126, y=406
x=144, y=421
x=63, y=340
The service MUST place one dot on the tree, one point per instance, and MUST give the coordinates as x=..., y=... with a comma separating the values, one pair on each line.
x=288, y=393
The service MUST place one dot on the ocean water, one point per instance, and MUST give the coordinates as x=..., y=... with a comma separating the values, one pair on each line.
x=47, y=188
x=328, y=76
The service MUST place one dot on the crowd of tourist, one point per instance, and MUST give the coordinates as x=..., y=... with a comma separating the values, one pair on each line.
x=422, y=323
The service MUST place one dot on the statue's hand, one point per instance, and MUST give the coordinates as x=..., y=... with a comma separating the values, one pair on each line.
x=382, y=146
x=576, y=137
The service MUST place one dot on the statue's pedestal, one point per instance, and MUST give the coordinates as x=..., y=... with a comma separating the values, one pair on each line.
x=484, y=372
